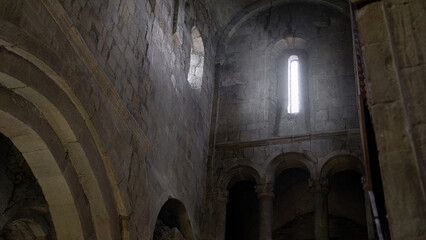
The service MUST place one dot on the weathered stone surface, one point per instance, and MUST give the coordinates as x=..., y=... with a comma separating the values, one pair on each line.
x=388, y=53
x=134, y=111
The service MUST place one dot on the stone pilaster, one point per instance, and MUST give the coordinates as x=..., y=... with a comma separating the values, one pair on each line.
x=222, y=200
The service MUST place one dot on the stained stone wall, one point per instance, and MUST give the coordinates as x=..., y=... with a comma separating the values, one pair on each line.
x=395, y=70
x=134, y=42
x=129, y=71
x=253, y=102
x=108, y=79
x=254, y=130
x=253, y=124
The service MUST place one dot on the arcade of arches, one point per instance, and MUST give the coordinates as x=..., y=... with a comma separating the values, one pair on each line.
x=212, y=119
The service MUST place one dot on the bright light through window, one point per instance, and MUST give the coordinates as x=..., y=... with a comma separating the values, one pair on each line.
x=293, y=84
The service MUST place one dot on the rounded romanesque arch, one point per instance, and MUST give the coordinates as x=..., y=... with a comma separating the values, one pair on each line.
x=25, y=83
x=238, y=174
x=238, y=202
x=290, y=173
x=340, y=163
x=27, y=228
x=346, y=196
x=16, y=40
x=289, y=160
x=49, y=174
x=173, y=222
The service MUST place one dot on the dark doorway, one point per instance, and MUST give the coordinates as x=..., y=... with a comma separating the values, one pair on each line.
x=293, y=208
x=242, y=214
x=173, y=222
x=346, y=204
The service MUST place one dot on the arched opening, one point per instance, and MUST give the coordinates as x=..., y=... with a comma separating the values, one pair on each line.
x=196, y=63
x=173, y=222
x=24, y=210
x=346, y=204
x=346, y=198
x=286, y=161
x=242, y=212
x=229, y=209
x=23, y=230
x=47, y=171
x=293, y=210
x=339, y=163
x=55, y=143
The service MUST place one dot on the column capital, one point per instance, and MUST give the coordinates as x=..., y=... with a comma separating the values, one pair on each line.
x=265, y=190
x=319, y=185
x=364, y=182
x=222, y=195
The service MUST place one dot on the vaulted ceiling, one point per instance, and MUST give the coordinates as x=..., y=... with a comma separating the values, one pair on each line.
x=228, y=13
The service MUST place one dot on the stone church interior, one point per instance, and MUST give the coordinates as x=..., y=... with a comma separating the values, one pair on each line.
x=213, y=119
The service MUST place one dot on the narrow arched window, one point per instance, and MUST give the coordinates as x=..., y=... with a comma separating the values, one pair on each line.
x=196, y=62
x=293, y=84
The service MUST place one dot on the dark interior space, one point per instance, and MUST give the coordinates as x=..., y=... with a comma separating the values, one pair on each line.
x=346, y=207
x=24, y=213
x=242, y=212
x=293, y=209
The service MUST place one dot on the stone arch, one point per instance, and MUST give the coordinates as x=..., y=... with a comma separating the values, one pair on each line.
x=237, y=174
x=196, y=62
x=45, y=168
x=280, y=46
x=289, y=160
x=64, y=117
x=172, y=215
x=34, y=223
x=28, y=228
x=18, y=41
x=342, y=174
x=288, y=43
x=341, y=162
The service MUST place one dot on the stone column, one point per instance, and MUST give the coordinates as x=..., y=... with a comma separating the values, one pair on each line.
x=222, y=200
x=319, y=188
x=265, y=195
x=368, y=212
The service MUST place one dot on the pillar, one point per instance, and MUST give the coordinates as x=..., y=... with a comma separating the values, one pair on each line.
x=222, y=200
x=265, y=195
x=368, y=212
x=319, y=188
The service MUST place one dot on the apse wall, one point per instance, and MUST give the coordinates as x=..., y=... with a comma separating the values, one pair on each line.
x=253, y=77
x=253, y=125
x=254, y=128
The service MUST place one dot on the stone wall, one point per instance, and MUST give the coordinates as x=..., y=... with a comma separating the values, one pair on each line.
x=256, y=136
x=253, y=124
x=252, y=105
x=395, y=70
x=102, y=86
x=129, y=70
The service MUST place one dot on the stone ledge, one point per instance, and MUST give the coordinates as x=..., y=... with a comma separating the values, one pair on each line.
x=288, y=139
